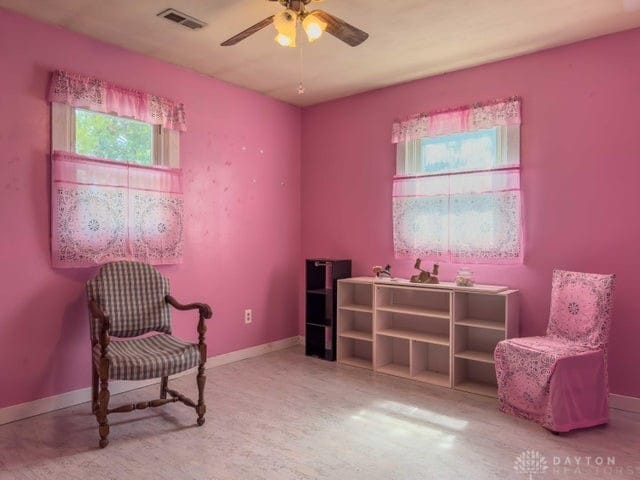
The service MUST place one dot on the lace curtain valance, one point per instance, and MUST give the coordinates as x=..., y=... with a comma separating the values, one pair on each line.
x=104, y=211
x=478, y=116
x=100, y=96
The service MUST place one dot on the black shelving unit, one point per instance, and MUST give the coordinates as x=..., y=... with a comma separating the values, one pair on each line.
x=322, y=275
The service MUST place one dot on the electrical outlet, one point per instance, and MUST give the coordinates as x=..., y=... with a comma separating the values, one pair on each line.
x=248, y=316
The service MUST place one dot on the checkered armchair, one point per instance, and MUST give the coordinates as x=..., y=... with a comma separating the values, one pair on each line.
x=127, y=300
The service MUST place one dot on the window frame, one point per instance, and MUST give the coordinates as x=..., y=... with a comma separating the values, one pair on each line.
x=165, y=144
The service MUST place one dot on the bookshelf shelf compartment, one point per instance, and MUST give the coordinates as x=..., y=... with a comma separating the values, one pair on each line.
x=438, y=339
x=479, y=388
x=430, y=363
x=433, y=378
x=355, y=352
x=409, y=300
x=399, y=370
x=490, y=325
x=357, y=335
x=356, y=308
x=420, y=312
x=355, y=296
x=475, y=377
x=475, y=356
x=393, y=356
x=320, y=291
x=357, y=362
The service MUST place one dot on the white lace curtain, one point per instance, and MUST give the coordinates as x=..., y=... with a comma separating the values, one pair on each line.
x=105, y=211
x=456, y=193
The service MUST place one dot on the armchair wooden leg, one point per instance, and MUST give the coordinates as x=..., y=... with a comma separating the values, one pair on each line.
x=163, y=387
x=103, y=403
x=201, y=409
x=94, y=389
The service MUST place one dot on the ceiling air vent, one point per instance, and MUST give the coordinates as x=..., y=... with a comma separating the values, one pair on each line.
x=182, y=19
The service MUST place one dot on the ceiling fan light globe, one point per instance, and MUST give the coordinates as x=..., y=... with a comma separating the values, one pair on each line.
x=285, y=40
x=314, y=32
x=285, y=20
x=313, y=27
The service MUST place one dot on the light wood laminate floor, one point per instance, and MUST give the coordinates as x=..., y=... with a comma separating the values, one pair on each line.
x=286, y=416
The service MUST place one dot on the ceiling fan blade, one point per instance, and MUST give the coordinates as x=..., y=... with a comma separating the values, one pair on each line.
x=341, y=29
x=249, y=31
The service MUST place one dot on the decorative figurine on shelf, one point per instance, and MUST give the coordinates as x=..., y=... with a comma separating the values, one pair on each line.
x=424, y=276
x=382, y=273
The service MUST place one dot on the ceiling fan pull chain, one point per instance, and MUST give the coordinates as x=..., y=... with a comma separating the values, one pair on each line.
x=300, y=85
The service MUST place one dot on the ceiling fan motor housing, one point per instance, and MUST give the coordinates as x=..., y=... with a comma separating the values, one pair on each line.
x=295, y=5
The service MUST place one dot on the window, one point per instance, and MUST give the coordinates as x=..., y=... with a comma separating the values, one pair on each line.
x=456, y=196
x=113, y=137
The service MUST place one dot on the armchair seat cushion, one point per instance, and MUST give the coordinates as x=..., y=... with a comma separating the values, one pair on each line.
x=149, y=357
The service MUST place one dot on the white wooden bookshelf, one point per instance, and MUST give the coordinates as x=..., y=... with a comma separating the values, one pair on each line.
x=442, y=334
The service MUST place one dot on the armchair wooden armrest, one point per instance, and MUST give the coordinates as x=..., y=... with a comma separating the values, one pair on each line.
x=103, y=339
x=97, y=313
x=205, y=310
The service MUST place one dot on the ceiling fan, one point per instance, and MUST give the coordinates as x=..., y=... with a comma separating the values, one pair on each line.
x=313, y=22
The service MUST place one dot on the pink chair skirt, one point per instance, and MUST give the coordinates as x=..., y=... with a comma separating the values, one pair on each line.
x=577, y=396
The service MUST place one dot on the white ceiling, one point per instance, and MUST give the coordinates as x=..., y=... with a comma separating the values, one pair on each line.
x=409, y=39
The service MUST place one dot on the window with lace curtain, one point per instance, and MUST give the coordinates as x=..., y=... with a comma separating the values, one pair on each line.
x=456, y=192
x=116, y=191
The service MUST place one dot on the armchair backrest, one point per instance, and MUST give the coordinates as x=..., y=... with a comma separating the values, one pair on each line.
x=132, y=294
x=581, y=305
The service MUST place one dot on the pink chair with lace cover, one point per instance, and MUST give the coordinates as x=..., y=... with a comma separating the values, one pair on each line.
x=560, y=380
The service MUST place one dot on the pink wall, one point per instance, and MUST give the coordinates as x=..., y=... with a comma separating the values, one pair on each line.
x=580, y=173
x=242, y=197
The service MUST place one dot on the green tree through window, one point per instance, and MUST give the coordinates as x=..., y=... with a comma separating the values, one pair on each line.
x=114, y=138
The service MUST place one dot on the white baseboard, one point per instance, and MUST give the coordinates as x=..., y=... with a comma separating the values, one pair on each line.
x=252, y=352
x=623, y=402
x=75, y=397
